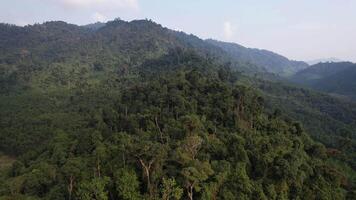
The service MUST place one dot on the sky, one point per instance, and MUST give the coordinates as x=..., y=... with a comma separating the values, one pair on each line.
x=298, y=29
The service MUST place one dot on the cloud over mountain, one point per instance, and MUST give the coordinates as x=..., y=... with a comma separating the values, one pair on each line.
x=229, y=30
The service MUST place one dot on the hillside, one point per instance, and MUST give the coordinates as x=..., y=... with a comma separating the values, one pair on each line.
x=334, y=78
x=323, y=60
x=269, y=61
x=133, y=110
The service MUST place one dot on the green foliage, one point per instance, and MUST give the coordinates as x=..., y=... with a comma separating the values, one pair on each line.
x=136, y=111
x=127, y=184
x=170, y=190
x=93, y=189
x=39, y=179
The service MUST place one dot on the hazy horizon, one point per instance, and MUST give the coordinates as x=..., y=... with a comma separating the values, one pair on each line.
x=299, y=30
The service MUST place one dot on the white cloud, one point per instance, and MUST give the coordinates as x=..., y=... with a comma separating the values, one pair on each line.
x=229, y=30
x=98, y=17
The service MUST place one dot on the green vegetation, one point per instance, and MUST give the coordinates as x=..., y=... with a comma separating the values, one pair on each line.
x=266, y=60
x=5, y=161
x=131, y=110
x=333, y=78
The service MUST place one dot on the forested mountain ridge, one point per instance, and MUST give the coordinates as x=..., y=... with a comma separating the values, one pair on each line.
x=132, y=110
x=134, y=41
x=268, y=60
x=335, y=78
x=323, y=60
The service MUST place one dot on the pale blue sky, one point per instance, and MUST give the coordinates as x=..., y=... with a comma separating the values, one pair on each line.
x=298, y=29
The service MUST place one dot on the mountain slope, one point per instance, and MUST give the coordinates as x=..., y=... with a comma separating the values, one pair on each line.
x=342, y=82
x=57, y=56
x=325, y=60
x=186, y=122
x=268, y=60
x=132, y=110
x=335, y=78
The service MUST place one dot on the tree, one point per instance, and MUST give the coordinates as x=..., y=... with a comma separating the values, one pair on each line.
x=194, y=171
x=239, y=183
x=100, y=151
x=93, y=189
x=213, y=188
x=40, y=179
x=170, y=190
x=150, y=156
x=73, y=172
x=127, y=184
x=194, y=175
x=62, y=147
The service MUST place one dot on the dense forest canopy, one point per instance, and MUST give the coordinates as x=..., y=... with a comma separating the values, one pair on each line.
x=132, y=110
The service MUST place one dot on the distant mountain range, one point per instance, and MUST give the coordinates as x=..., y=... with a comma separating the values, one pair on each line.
x=336, y=78
x=262, y=60
x=269, y=61
x=323, y=60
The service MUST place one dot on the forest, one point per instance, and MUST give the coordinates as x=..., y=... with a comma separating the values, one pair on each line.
x=132, y=110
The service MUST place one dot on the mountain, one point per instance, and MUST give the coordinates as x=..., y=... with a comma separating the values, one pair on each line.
x=268, y=60
x=335, y=78
x=325, y=60
x=133, y=110
x=95, y=26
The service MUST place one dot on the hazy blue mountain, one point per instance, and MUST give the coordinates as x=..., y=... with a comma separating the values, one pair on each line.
x=323, y=60
x=95, y=26
x=336, y=78
x=267, y=60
